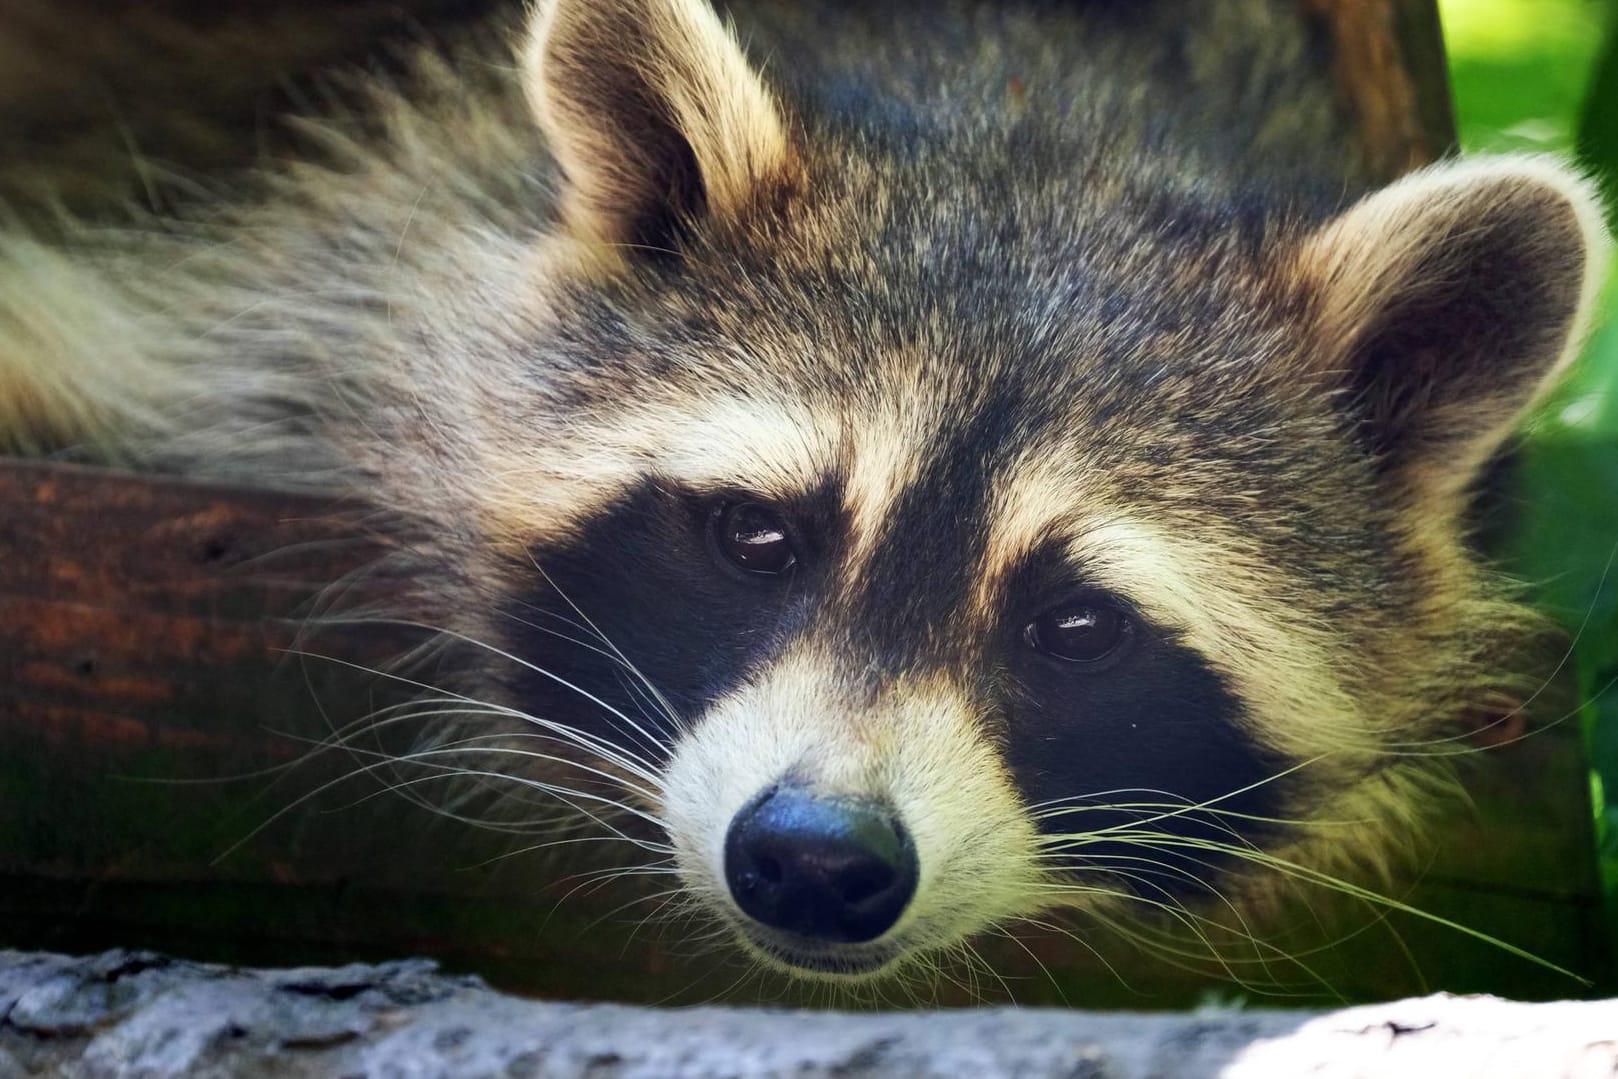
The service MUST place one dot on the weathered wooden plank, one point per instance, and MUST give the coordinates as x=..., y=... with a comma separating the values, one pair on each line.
x=1389, y=73
x=89, y=536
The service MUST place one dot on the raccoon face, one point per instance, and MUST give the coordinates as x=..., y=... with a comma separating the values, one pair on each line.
x=957, y=538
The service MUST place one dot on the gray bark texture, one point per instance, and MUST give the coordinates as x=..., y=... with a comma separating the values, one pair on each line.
x=127, y=1014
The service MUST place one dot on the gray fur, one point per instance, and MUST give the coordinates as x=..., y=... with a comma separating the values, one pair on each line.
x=1032, y=232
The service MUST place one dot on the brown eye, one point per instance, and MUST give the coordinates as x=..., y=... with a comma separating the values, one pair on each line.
x=753, y=537
x=1086, y=631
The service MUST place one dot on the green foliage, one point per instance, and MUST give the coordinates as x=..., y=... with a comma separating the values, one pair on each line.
x=1598, y=122
x=1519, y=69
x=1543, y=74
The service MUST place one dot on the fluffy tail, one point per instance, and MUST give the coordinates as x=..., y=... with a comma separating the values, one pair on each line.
x=75, y=369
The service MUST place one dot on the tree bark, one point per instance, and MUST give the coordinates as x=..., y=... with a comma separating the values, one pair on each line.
x=133, y=1014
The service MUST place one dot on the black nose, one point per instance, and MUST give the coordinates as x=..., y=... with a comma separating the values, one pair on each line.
x=830, y=869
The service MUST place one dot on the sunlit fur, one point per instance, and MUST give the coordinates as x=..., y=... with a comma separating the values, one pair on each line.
x=915, y=745
x=699, y=89
x=1158, y=343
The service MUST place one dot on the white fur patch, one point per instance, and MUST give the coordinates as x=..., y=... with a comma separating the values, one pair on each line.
x=1219, y=599
x=919, y=748
x=774, y=448
x=1219, y=602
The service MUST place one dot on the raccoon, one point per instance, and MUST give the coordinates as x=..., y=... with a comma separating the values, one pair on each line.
x=928, y=464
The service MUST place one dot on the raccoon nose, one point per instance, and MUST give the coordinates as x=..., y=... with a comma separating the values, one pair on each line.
x=829, y=869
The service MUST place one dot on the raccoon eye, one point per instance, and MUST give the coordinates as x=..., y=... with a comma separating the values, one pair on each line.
x=1087, y=631
x=753, y=537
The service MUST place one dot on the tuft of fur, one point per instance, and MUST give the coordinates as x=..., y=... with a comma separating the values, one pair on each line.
x=995, y=301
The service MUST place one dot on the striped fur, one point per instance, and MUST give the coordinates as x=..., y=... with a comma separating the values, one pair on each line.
x=998, y=304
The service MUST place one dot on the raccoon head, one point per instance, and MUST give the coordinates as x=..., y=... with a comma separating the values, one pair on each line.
x=946, y=518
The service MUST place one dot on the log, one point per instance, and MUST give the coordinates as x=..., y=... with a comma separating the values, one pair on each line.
x=130, y=1013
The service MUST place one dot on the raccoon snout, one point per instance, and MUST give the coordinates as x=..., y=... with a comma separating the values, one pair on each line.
x=829, y=869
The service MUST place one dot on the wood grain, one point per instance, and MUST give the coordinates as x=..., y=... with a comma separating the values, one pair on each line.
x=1389, y=74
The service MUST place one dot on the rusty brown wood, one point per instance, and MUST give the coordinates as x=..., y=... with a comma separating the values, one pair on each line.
x=1389, y=73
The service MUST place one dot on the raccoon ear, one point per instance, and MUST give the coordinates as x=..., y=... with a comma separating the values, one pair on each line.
x=653, y=115
x=1448, y=302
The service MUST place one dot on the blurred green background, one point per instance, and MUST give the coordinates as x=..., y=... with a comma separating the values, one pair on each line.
x=1543, y=75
